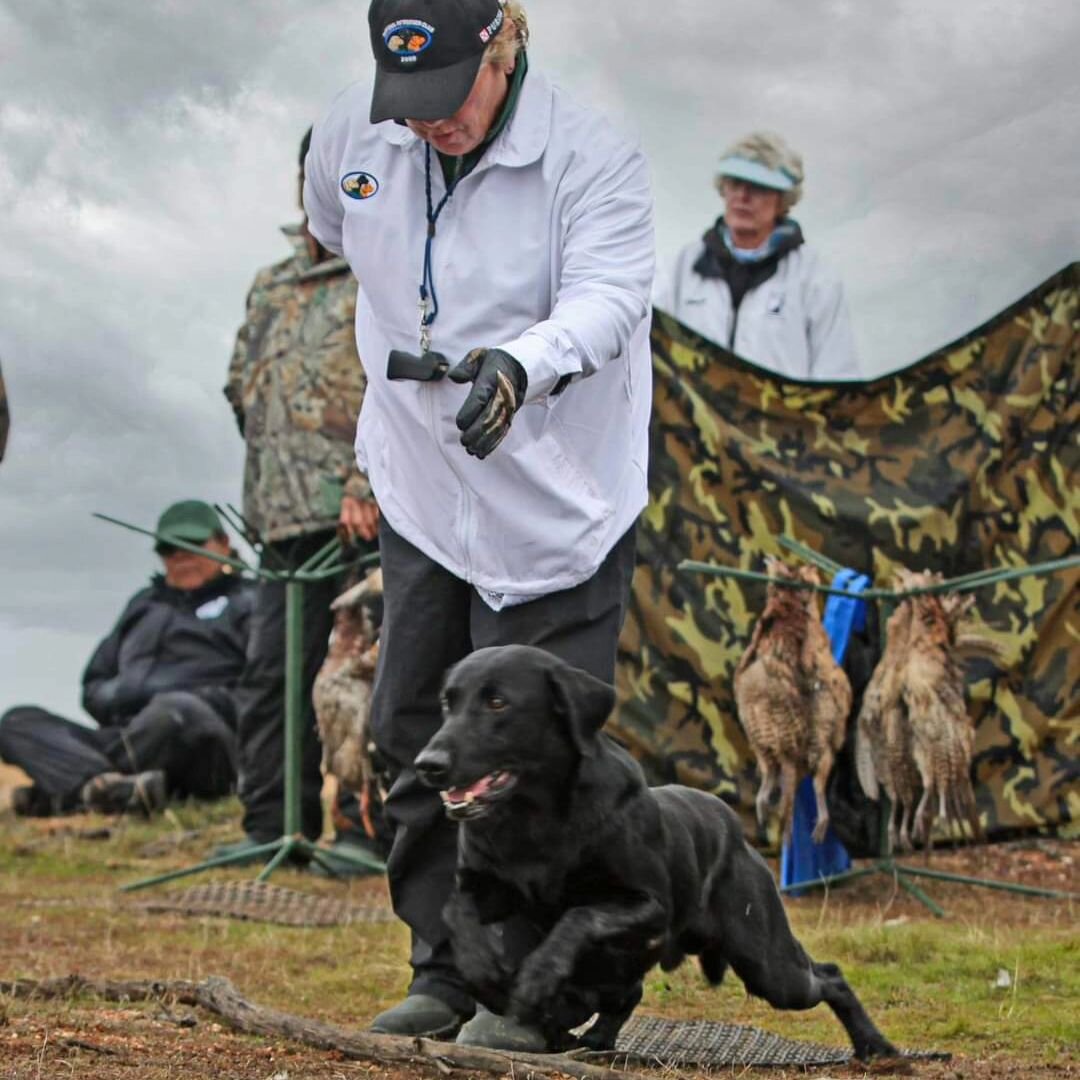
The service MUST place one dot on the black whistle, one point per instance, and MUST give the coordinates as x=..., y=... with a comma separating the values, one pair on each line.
x=422, y=367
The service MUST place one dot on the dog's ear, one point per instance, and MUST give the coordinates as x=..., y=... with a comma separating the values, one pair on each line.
x=583, y=702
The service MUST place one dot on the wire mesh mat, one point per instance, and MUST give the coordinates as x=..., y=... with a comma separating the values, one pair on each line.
x=652, y=1040
x=262, y=902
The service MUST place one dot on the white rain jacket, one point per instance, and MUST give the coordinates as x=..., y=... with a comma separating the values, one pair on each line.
x=544, y=250
x=795, y=324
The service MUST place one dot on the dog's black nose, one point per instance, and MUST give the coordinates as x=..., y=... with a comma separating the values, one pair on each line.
x=433, y=767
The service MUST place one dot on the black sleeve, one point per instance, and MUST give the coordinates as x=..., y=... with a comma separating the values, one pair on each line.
x=223, y=698
x=102, y=694
x=243, y=606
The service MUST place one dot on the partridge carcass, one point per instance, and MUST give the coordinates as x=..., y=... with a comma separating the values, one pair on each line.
x=342, y=690
x=792, y=697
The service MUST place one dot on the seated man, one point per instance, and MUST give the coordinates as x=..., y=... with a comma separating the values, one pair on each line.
x=159, y=686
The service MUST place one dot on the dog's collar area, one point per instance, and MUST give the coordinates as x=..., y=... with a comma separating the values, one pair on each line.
x=475, y=799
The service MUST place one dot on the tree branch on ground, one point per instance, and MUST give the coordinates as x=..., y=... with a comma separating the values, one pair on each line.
x=218, y=996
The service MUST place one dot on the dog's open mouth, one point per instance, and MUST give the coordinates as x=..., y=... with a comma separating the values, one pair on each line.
x=476, y=799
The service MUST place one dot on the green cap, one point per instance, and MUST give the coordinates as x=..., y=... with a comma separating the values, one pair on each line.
x=191, y=521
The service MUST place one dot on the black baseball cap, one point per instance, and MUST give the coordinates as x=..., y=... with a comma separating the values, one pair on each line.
x=427, y=54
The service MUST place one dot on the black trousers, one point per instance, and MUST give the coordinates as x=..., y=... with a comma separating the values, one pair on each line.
x=177, y=732
x=261, y=700
x=432, y=619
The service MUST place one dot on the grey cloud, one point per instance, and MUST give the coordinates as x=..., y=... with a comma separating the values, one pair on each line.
x=147, y=155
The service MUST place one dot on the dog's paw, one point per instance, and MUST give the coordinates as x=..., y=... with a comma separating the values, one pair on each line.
x=537, y=985
x=481, y=967
x=875, y=1046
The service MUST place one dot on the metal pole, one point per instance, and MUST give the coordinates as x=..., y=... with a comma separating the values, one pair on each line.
x=966, y=584
x=294, y=704
x=900, y=876
x=210, y=864
x=988, y=883
x=195, y=549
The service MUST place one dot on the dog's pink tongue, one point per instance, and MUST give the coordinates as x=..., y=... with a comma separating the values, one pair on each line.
x=459, y=794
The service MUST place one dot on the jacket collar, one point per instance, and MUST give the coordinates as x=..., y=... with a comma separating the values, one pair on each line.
x=300, y=267
x=520, y=143
x=217, y=586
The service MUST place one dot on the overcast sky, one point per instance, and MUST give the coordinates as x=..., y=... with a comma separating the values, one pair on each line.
x=147, y=156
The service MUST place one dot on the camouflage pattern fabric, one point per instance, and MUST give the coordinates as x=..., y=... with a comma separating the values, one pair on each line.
x=5, y=417
x=965, y=461
x=296, y=384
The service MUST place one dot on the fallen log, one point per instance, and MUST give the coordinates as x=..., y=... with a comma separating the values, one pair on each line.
x=218, y=996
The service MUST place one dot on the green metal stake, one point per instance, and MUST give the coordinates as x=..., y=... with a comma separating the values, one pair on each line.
x=901, y=877
x=287, y=844
x=809, y=555
x=294, y=707
x=988, y=883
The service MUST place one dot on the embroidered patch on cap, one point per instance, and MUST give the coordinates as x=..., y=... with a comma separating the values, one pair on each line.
x=408, y=38
x=492, y=27
x=359, y=185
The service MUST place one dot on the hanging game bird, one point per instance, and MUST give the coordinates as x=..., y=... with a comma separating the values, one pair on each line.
x=342, y=691
x=914, y=737
x=792, y=697
x=884, y=739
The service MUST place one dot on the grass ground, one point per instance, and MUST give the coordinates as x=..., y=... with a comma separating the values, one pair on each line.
x=930, y=983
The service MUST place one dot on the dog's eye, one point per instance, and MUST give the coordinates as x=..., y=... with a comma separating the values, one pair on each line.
x=496, y=702
x=444, y=702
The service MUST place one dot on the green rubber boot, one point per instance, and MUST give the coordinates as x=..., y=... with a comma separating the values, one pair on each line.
x=494, y=1032
x=419, y=1014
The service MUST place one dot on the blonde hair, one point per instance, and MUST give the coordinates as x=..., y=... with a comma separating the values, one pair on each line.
x=512, y=36
x=770, y=150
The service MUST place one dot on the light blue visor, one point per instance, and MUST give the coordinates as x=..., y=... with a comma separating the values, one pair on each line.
x=739, y=168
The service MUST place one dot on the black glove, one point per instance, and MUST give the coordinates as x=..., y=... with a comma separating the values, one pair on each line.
x=498, y=391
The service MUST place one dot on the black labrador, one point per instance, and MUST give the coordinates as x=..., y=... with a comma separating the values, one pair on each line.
x=574, y=877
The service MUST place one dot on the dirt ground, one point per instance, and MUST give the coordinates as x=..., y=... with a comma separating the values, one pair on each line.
x=100, y=1046
x=59, y=914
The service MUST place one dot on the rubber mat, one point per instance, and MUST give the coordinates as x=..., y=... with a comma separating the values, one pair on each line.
x=263, y=902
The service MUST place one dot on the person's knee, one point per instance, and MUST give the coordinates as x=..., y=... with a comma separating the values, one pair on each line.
x=173, y=701
x=14, y=724
x=18, y=715
x=160, y=720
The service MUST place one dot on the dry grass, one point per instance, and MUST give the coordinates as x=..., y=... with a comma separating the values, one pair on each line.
x=929, y=983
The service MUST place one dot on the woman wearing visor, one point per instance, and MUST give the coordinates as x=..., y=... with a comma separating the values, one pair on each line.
x=752, y=284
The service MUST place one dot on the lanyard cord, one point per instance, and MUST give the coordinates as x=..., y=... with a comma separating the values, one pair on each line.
x=427, y=283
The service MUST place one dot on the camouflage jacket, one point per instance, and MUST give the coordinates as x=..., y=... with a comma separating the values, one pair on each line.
x=5, y=417
x=296, y=384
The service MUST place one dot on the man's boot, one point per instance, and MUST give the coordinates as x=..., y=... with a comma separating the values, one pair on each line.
x=126, y=793
x=419, y=1014
x=28, y=800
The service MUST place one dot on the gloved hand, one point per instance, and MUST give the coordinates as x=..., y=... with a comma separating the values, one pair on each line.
x=498, y=391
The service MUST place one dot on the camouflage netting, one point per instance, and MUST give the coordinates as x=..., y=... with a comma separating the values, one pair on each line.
x=965, y=461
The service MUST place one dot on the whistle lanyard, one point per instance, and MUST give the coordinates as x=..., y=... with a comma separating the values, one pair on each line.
x=429, y=302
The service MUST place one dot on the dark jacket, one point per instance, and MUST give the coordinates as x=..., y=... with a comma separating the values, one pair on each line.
x=169, y=639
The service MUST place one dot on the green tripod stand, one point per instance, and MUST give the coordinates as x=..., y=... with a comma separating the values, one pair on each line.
x=327, y=562
x=885, y=863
